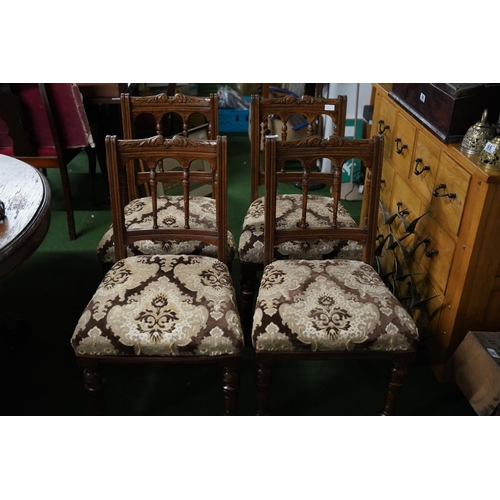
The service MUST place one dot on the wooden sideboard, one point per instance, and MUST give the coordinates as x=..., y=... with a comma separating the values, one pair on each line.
x=453, y=255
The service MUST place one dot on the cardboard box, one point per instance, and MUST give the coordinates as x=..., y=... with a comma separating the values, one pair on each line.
x=475, y=367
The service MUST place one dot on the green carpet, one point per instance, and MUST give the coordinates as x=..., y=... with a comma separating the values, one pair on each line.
x=44, y=298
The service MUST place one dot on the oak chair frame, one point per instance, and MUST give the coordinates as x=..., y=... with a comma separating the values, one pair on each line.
x=308, y=151
x=151, y=151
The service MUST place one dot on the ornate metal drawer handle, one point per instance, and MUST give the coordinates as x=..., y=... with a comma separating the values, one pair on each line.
x=416, y=171
x=430, y=253
x=441, y=195
x=399, y=150
x=382, y=127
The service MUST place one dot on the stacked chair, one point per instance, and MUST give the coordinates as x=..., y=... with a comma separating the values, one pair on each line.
x=163, y=308
x=143, y=117
x=330, y=308
x=283, y=110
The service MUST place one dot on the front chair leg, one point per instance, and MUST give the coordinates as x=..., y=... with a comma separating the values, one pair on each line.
x=263, y=381
x=94, y=385
x=396, y=380
x=230, y=387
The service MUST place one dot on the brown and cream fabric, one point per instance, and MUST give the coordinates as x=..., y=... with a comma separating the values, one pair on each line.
x=288, y=214
x=328, y=305
x=138, y=214
x=162, y=306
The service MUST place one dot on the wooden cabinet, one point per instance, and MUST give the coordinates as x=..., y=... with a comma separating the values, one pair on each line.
x=452, y=255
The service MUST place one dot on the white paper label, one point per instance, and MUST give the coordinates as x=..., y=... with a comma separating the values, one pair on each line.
x=492, y=352
x=490, y=147
x=329, y=107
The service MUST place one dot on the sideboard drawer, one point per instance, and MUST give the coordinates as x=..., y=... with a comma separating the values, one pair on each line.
x=386, y=185
x=450, y=193
x=407, y=200
x=425, y=166
x=384, y=121
x=402, y=145
x=436, y=256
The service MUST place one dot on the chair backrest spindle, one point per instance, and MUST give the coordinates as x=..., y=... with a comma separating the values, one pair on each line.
x=284, y=108
x=150, y=152
x=163, y=106
x=308, y=151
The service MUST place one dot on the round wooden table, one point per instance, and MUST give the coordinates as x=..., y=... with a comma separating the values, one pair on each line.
x=25, y=194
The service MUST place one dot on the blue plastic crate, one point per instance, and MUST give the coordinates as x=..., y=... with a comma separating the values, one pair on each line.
x=233, y=120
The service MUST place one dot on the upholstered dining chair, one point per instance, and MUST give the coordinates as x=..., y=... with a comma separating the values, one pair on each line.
x=278, y=115
x=148, y=115
x=45, y=125
x=331, y=308
x=164, y=308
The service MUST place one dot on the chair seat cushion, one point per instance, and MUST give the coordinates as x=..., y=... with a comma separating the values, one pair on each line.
x=328, y=305
x=288, y=214
x=162, y=306
x=138, y=214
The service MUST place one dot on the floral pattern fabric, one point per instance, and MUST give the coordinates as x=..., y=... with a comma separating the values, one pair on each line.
x=328, y=305
x=288, y=214
x=138, y=214
x=162, y=306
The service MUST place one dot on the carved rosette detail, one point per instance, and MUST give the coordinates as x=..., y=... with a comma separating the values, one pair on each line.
x=305, y=99
x=163, y=98
x=315, y=141
x=159, y=141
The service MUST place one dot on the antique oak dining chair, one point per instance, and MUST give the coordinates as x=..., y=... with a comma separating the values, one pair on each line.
x=331, y=308
x=45, y=125
x=164, y=308
x=309, y=113
x=143, y=117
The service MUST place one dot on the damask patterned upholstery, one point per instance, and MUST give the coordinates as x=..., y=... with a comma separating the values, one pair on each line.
x=170, y=214
x=288, y=213
x=327, y=308
x=162, y=306
x=328, y=305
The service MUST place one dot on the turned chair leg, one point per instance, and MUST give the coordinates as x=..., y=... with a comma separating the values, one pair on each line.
x=263, y=382
x=396, y=380
x=230, y=388
x=94, y=385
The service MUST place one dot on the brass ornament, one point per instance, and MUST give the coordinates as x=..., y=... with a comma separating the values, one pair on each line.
x=490, y=155
x=477, y=136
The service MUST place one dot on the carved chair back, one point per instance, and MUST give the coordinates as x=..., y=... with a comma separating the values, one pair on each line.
x=145, y=115
x=280, y=154
x=152, y=152
x=312, y=109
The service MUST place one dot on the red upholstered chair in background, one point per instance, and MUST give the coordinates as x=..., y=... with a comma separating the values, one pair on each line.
x=45, y=125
